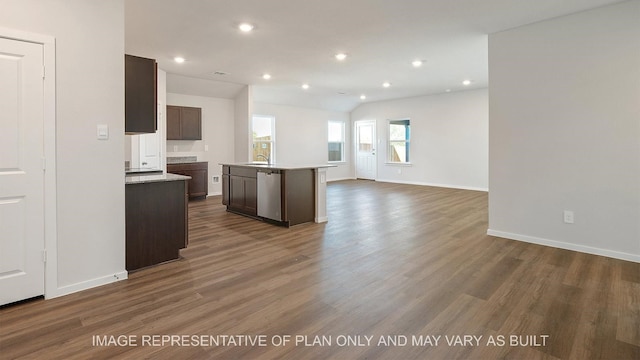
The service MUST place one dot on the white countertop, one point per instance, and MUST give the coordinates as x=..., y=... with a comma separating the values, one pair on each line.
x=141, y=179
x=280, y=166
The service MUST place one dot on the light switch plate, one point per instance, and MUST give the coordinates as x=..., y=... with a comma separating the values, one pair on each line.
x=103, y=132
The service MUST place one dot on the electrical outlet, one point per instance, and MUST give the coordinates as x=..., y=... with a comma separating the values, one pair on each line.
x=175, y=148
x=399, y=171
x=568, y=217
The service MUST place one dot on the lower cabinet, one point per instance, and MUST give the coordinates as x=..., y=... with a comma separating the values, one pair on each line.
x=199, y=172
x=242, y=192
x=156, y=222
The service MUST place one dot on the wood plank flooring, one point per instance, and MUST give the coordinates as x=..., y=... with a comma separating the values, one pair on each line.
x=394, y=262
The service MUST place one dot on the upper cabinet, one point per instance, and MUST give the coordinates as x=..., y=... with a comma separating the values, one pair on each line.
x=140, y=95
x=184, y=123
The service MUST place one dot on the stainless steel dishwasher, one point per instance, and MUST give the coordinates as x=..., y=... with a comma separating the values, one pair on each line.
x=269, y=196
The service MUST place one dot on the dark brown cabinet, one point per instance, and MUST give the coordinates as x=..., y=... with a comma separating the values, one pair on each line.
x=140, y=94
x=156, y=222
x=199, y=172
x=184, y=123
x=242, y=192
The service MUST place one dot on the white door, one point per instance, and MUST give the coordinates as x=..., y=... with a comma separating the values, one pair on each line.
x=366, y=149
x=21, y=170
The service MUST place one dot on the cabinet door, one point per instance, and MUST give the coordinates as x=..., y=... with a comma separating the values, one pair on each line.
x=173, y=123
x=191, y=123
x=225, y=189
x=236, y=192
x=140, y=93
x=198, y=183
x=251, y=196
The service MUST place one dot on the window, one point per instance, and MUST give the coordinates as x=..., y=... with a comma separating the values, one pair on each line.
x=336, y=141
x=399, y=135
x=263, y=134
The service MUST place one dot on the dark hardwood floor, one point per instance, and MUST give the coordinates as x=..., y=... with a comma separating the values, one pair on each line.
x=394, y=262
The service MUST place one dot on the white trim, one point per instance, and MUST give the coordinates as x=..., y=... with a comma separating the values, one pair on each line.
x=473, y=188
x=320, y=193
x=565, y=245
x=88, y=284
x=341, y=179
x=387, y=163
x=49, y=143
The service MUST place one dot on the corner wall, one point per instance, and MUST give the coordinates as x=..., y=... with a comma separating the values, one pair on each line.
x=565, y=132
x=89, y=72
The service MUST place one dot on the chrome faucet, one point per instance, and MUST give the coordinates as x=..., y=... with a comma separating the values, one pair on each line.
x=264, y=157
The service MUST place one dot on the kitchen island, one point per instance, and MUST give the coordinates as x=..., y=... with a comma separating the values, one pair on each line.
x=280, y=194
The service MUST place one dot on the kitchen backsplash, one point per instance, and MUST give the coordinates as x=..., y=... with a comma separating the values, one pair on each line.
x=181, y=159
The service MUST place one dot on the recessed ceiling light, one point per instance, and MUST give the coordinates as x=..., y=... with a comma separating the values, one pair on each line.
x=448, y=90
x=178, y=59
x=305, y=86
x=386, y=84
x=266, y=76
x=466, y=82
x=363, y=96
x=416, y=63
x=341, y=56
x=245, y=27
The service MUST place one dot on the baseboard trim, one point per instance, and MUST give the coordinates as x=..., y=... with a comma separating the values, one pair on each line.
x=565, y=245
x=473, y=188
x=340, y=179
x=321, y=219
x=85, y=285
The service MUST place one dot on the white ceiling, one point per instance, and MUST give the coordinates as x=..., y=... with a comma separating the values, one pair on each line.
x=295, y=41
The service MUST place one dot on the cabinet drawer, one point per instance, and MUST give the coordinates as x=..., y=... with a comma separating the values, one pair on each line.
x=243, y=171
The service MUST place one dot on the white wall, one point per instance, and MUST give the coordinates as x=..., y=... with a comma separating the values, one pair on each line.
x=89, y=91
x=449, y=138
x=301, y=136
x=565, y=131
x=217, y=134
x=243, y=104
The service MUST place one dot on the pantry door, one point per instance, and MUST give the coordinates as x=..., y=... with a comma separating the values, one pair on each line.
x=22, y=267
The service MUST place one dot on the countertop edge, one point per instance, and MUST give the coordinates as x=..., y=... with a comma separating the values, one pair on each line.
x=278, y=166
x=142, y=179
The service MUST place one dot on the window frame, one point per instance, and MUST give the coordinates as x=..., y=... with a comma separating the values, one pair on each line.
x=342, y=142
x=406, y=141
x=272, y=153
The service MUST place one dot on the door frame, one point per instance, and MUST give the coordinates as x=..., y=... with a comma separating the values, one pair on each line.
x=49, y=157
x=375, y=144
